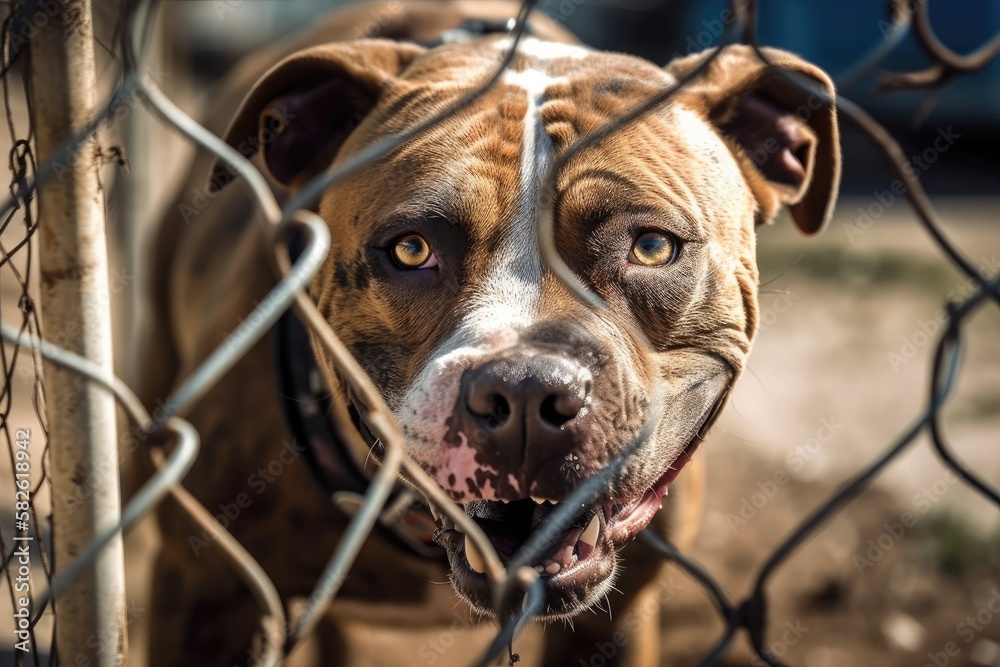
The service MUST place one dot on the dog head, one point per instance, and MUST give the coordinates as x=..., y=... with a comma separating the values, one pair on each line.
x=509, y=389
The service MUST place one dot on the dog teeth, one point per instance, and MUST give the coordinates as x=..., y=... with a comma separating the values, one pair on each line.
x=550, y=567
x=592, y=532
x=474, y=556
x=538, y=500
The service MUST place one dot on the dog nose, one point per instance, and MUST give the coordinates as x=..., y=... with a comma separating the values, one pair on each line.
x=494, y=400
x=523, y=401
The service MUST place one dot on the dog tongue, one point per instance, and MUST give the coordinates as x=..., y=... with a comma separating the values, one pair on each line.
x=561, y=549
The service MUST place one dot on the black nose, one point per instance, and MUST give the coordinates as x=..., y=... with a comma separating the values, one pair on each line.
x=521, y=402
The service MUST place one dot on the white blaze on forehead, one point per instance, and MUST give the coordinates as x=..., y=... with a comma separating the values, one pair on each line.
x=503, y=302
x=508, y=296
x=544, y=50
x=534, y=83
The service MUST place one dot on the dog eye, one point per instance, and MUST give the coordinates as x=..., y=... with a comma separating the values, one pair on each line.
x=653, y=249
x=413, y=252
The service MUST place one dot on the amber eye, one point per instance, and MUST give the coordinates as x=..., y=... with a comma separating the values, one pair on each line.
x=653, y=249
x=413, y=252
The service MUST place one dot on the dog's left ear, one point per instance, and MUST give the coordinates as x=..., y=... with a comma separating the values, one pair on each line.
x=785, y=139
x=301, y=111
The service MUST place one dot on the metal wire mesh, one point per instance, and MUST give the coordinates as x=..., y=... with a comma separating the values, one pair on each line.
x=750, y=614
x=17, y=360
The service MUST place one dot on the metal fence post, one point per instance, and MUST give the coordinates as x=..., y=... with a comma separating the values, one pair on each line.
x=76, y=314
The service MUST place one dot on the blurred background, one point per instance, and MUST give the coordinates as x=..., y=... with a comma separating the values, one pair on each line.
x=834, y=35
x=842, y=362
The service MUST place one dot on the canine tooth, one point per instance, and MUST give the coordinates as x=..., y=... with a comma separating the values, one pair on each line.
x=592, y=532
x=538, y=499
x=553, y=568
x=473, y=555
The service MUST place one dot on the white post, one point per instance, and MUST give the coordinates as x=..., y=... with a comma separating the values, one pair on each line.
x=76, y=315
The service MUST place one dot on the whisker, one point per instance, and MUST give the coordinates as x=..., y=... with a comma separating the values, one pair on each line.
x=781, y=275
x=378, y=441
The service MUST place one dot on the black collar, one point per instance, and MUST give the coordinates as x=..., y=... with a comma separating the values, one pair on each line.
x=305, y=400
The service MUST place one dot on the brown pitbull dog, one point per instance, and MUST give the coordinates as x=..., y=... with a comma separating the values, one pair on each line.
x=510, y=390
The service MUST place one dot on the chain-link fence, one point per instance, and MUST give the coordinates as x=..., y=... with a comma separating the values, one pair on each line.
x=277, y=637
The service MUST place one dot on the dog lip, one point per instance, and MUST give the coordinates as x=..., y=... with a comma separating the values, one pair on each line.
x=624, y=525
x=628, y=523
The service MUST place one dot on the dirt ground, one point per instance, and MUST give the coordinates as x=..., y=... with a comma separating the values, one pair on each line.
x=908, y=573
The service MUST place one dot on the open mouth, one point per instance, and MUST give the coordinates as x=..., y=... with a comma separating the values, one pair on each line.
x=578, y=565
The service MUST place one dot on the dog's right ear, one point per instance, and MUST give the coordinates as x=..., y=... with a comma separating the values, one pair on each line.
x=302, y=110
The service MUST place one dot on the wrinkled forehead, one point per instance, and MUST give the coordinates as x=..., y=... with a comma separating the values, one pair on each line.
x=550, y=96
